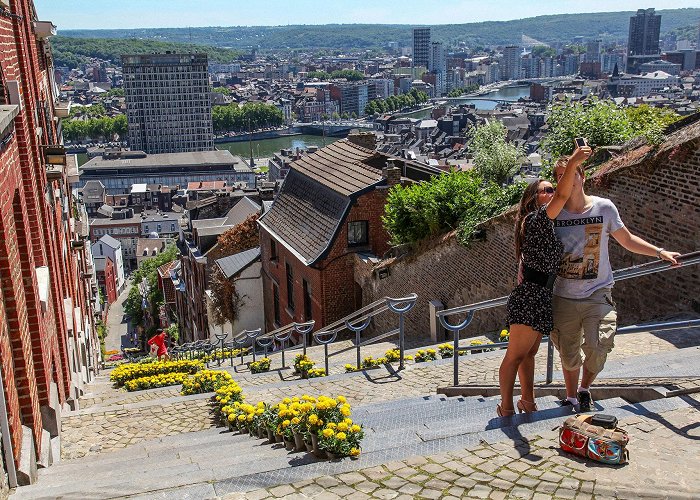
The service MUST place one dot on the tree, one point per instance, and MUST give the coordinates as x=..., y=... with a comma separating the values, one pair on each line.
x=226, y=301
x=495, y=159
x=603, y=123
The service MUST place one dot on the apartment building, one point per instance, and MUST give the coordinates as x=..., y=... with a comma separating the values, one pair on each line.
x=168, y=102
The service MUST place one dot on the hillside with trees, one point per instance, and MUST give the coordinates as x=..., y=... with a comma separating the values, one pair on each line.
x=71, y=51
x=548, y=29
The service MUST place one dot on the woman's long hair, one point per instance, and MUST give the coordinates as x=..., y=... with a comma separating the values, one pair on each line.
x=528, y=204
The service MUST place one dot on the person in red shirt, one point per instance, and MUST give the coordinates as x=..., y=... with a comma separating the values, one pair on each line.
x=158, y=340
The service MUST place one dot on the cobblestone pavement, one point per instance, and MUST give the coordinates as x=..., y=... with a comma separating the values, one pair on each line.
x=115, y=427
x=663, y=464
x=109, y=430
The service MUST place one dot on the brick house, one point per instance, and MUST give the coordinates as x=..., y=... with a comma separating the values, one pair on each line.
x=48, y=348
x=328, y=209
x=106, y=279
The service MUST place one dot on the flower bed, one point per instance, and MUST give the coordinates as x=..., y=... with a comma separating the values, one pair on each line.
x=132, y=371
x=205, y=381
x=316, y=372
x=423, y=355
x=218, y=354
x=262, y=365
x=298, y=421
x=154, y=381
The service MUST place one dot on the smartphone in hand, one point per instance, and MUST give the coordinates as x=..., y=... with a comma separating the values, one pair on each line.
x=580, y=142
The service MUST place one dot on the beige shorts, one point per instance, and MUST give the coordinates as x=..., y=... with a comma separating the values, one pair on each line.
x=584, y=330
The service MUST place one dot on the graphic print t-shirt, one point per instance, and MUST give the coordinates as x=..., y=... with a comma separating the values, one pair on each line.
x=585, y=266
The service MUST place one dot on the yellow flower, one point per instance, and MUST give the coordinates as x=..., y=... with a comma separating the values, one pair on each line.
x=355, y=428
x=342, y=426
x=241, y=418
x=345, y=410
x=231, y=417
x=354, y=452
x=331, y=425
x=296, y=420
x=313, y=419
x=347, y=421
x=285, y=424
x=342, y=399
x=287, y=401
x=328, y=433
x=341, y=436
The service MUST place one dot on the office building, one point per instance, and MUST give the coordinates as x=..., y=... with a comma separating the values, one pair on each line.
x=438, y=66
x=511, y=63
x=168, y=103
x=422, y=49
x=592, y=54
x=645, y=28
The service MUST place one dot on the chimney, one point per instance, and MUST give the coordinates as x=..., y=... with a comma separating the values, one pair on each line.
x=365, y=140
x=391, y=173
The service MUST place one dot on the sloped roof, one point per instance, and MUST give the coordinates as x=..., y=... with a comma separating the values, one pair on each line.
x=110, y=242
x=233, y=264
x=341, y=166
x=241, y=211
x=305, y=216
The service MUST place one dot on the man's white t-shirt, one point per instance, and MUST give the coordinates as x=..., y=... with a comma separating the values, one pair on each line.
x=585, y=266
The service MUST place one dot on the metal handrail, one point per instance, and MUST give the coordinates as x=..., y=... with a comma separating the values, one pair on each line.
x=621, y=274
x=359, y=320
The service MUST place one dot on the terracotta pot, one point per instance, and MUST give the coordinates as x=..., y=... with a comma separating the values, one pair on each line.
x=279, y=438
x=289, y=444
x=309, y=446
x=332, y=456
x=270, y=435
x=262, y=432
x=299, y=442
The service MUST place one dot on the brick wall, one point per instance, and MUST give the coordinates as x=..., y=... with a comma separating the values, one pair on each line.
x=36, y=231
x=658, y=199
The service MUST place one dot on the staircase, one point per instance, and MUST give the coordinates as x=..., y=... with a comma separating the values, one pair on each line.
x=215, y=462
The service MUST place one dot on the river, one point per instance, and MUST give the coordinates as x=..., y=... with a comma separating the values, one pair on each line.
x=506, y=94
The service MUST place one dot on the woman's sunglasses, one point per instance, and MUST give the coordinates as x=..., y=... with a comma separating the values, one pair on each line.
x=548, y=190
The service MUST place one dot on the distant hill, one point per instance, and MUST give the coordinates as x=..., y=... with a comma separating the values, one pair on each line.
x=548, y=29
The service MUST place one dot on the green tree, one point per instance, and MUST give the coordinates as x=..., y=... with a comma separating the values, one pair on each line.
x=603, y=123
x=495, y=159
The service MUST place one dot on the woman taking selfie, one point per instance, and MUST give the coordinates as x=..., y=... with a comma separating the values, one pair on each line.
x=530, y=304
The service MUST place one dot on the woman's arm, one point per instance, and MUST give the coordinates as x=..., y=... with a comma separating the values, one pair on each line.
x=565, y=185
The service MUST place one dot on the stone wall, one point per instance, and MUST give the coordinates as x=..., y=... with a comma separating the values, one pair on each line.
x=658, y=195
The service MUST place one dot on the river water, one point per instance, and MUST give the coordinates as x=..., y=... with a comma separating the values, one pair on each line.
x=504, y=94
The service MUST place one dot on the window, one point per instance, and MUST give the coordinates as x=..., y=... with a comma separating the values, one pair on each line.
x=273, y=250
x=290, y=286
x=358, y=233
x=276, y=303
x=307, y=300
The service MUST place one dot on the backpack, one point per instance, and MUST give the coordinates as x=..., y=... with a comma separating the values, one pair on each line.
x=578, y=436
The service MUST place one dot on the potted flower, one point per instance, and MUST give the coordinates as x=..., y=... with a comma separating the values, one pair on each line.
x=446, y=350
x=423, y=355
x=260, y=366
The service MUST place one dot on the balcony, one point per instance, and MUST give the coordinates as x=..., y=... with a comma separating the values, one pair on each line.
x=54, y=172
x=44, y=29
x=62, y=108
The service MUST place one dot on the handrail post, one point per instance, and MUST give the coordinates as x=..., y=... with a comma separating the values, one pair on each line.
x=455, y=358
x=358, y=331
x=303, y=329
x=401, y=306
x=455, y=331
x=325, y=349
x=550, y=360
x=252, y=334
x=220, y=337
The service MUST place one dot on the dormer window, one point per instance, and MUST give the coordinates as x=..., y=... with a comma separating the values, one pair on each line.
x=358, y=233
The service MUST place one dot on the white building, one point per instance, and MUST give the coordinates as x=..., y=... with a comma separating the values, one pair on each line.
x=110, y=247
x=511, y=63
x=244, y=270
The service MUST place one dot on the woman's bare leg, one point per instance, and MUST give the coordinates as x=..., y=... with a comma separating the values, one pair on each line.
x=520, y=343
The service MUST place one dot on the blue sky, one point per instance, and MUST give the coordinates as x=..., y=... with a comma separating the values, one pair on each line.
x=101, y=14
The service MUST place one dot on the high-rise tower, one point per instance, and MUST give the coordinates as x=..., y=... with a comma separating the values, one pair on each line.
x=422, y=49
x=168, y=103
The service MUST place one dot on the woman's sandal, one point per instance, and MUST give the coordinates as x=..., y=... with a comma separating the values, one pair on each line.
x=504, y=413
x=526, y=406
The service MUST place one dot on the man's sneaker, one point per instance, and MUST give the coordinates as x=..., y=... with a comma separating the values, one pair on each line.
x=565, y=402
x=585, y=402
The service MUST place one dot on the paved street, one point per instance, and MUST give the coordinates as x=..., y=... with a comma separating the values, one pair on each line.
x=117, y=324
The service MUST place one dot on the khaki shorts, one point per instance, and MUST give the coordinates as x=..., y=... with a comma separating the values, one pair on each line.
x=584, y=330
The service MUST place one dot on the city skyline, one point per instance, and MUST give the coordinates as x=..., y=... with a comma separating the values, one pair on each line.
x=103, y=14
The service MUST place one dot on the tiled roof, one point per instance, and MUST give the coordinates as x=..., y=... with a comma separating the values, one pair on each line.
x=234, y=264
x=341, y=166
x=241, y=211
x=305, y=216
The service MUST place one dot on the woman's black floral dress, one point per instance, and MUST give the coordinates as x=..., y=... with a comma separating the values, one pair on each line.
x=531, y=304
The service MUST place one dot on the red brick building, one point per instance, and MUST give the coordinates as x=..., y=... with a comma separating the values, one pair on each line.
x=106, y=279
x=48, y=348
x=328, y=209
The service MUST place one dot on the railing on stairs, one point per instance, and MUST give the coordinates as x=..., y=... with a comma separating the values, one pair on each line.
x=621, y=274
x=359, y=320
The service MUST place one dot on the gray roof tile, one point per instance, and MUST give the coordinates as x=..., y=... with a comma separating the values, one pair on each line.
x=234, y=264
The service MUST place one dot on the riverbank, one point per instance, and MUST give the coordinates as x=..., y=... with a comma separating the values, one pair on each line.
x=257, y=136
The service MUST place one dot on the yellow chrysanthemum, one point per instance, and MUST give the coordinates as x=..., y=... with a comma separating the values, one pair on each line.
x=328, y=433
x=341, y=436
